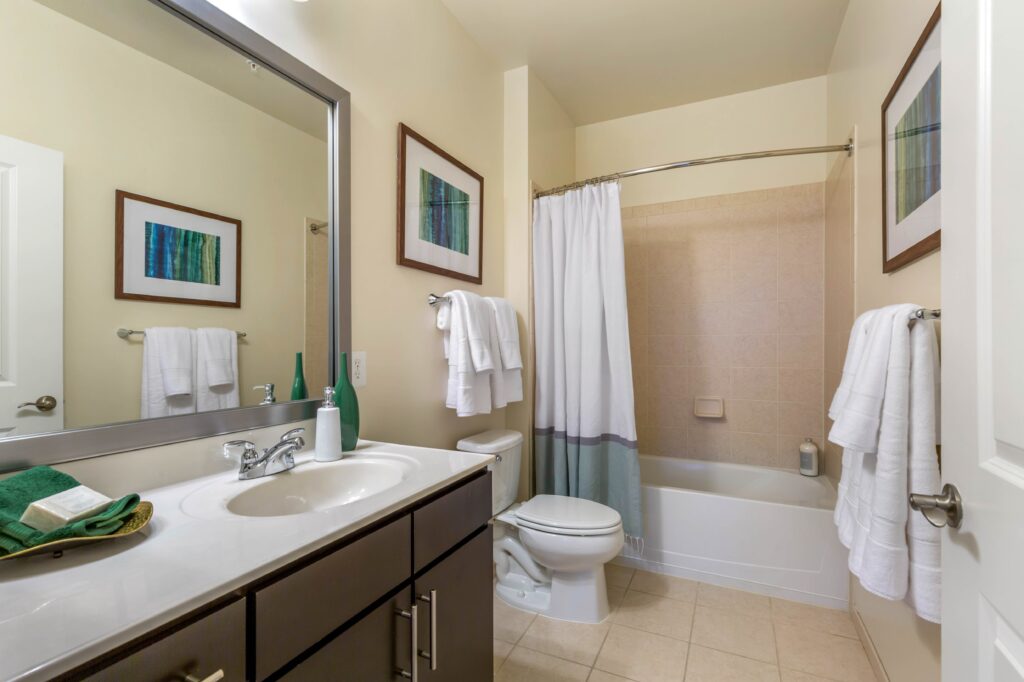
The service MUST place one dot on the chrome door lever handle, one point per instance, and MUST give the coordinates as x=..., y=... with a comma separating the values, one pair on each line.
x=941, y=510
x=43, y=403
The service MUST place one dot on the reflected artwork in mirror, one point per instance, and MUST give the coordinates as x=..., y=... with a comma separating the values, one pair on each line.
x=134, y=147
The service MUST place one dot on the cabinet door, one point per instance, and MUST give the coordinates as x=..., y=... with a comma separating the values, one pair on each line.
x=462, y=617
x=373, y=649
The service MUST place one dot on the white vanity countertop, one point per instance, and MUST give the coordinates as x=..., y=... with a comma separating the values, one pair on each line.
x=56, y=614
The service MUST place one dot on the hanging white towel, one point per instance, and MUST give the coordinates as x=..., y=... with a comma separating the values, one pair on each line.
x=469, y=351
x=924, y=592
x=505, y=333
x=168, y=365
x=216, y=369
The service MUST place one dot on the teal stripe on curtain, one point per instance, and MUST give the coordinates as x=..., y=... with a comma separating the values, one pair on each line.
x=604, y=470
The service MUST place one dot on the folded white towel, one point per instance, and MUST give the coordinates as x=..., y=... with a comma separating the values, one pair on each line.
x=168, y=362
x=854, y=353
x=470, y=353
x=505, y=335
x=216, y=369
x=924, y=592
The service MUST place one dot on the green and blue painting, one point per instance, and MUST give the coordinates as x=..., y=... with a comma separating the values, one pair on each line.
x=444, y=213
x=919, y=148
x=182, y=255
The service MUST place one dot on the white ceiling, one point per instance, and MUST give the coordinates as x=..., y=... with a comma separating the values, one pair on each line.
x=603, y=59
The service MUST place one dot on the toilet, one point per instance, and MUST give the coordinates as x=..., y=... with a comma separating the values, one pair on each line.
x=550, y=551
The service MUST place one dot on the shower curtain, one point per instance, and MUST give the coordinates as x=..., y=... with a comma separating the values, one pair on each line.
x=585, y=427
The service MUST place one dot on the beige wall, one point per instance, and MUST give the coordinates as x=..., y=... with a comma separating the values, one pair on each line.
x=788, y=115
x=725, y=299
x=410, y=62
x=539, y=147
x=126, y=121
x=874, y=42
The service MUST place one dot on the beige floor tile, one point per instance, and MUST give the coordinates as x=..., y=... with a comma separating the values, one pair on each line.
x=795, y=676
x=651, y=613
x=501, y=652
x=737, y=601
x=510, y=623
x=819, y=653
x=601, y=676
x=617, y=576
x=708, y=665
x=578, y=642
x=832, y=621
x=525, y=665
x=664, y=585
x=734, y=633
x=615, y=595
x=642, y=656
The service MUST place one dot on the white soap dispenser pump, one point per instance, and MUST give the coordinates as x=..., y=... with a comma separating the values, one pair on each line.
x=328, y=429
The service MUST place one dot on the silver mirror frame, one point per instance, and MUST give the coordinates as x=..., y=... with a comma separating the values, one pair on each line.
x=51, y=448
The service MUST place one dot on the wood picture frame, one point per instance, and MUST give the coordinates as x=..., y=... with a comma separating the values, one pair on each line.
x=134, y=279
x=456, y=253
x=901, y=250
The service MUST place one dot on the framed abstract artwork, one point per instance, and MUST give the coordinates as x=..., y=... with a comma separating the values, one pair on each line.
x=175, y=254
x=911, y=159
x=440, y=210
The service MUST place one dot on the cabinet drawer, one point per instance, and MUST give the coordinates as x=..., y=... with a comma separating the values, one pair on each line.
x=299, y=610
x=216, y=642
x=443, y=523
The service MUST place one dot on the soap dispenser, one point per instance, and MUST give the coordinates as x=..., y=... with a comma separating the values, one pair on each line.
x=809, y=458
x=328, y=430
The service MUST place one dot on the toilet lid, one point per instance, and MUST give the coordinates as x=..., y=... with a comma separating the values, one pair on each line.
x=567, y=513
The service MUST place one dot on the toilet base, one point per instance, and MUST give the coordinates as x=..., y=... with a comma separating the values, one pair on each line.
x=580, y=597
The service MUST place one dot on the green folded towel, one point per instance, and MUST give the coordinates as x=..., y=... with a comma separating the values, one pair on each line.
x=21, y=490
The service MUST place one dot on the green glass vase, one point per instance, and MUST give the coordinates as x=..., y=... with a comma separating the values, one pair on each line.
x=348, y=407
x=299, y=391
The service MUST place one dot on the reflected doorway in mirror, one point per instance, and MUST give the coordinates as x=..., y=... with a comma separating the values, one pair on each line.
x=176, y=254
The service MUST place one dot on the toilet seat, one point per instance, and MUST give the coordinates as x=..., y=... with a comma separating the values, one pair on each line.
x=561, y=515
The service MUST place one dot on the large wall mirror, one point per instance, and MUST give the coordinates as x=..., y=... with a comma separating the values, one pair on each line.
x=163, y=168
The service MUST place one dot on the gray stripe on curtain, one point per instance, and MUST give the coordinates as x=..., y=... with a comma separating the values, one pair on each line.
x=585, y=440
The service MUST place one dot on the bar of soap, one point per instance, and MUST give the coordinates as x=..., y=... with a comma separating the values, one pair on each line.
x=68, y=506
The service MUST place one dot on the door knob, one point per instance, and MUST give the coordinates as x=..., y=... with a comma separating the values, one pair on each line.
x=43, y=403
x=941, y=510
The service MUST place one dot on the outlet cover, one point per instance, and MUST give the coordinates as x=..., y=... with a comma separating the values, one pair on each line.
x=358, y=368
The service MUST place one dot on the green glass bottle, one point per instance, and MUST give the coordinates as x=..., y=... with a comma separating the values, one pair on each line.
x=348, y=407
x=299, y=391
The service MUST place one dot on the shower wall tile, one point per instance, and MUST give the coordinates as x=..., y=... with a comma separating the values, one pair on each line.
x=726, y=297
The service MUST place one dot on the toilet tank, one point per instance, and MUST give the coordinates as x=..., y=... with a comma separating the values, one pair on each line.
x=507, y=447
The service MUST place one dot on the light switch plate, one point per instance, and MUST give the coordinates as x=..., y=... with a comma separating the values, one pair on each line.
x=358, y=368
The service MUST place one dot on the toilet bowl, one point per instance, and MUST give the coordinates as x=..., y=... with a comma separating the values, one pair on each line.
x=550, y=551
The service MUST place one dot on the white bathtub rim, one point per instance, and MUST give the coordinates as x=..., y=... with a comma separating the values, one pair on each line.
x=694, y=491
x=754, y=586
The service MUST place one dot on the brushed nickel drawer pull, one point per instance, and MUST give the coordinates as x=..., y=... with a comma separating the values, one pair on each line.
x=411, y=615
x=431, y=655
x=215, y=677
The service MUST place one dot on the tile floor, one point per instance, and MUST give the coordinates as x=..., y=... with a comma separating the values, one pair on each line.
x=671, y=629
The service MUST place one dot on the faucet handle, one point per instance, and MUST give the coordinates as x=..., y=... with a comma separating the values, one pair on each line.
x=249, y=453
x=294, y=433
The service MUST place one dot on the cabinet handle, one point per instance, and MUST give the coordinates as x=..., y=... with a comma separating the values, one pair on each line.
x=214, y=677
x=432, y=654
x=414, y=625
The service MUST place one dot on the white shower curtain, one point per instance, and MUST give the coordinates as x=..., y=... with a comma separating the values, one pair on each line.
x=585, y=427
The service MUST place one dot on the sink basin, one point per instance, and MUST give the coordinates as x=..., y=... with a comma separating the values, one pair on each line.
x=309, y=487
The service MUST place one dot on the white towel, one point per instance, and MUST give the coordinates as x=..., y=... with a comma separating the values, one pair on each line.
x=469, y=351
x=505, y=333
x=168, y=363
x=886, y=423
x=216, y=369
x=924, y=592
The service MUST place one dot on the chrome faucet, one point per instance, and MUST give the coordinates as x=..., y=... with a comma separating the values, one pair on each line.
x=275, y=459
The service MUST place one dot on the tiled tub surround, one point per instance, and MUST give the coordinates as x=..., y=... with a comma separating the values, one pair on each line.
x=669, y=629
x=725, y=298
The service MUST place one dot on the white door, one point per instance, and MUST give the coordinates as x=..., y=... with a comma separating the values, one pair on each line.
x=31, y=288
x=983, y=337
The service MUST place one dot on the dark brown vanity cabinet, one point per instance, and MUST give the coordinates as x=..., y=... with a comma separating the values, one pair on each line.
x=408, y=598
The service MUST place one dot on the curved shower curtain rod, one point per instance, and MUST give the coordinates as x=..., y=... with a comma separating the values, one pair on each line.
x=796, y=151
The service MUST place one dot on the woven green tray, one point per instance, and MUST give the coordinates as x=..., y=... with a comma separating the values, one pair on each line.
x=133, y=524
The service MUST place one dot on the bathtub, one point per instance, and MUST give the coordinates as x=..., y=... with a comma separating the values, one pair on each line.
x=751, y=528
